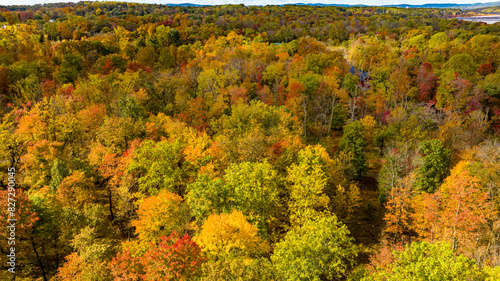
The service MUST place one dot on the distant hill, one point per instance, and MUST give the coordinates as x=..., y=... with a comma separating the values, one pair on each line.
x=186, y=5
x=430, y=5
x=162, y=2
x=448, y=5
x=323, y=4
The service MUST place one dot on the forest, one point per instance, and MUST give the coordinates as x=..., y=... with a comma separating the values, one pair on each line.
x=232, y=142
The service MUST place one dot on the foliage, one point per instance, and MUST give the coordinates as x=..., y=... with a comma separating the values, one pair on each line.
x=158, y=167
x=239, y=268
x=125, y=267
x=425, y=261
x=435, y=165
x=126, y=122
x=175, y=258
x=207, y=195
x=318, y=250
x=354, y=142
x=466, y=207
x=250, y=188
x=161, y=215
x=226, y=233
x=399, y=212
x=308, y=183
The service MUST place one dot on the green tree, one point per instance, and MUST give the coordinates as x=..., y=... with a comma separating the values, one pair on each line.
x=251, y=188
x=464, y=64
x=94, y=246
x=207, y=195
x=158, y=166
x=237, y=267
x=255, y=189
x=250, y=131
x=338, y=32
x=353, y=142
x=428, y=262
x=71, y=68
x=435, y=166
x=491, y=85
x=147, y=56
x=438, y=40
x=319, y=250
x=90, y=260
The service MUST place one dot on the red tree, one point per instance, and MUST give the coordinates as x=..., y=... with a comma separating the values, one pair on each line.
x=125, y=267
x=175, y=258
x=426, y=81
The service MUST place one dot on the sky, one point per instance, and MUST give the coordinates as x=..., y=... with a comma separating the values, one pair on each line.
x=261, y=2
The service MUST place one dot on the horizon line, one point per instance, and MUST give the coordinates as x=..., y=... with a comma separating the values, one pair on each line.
x=158, y=2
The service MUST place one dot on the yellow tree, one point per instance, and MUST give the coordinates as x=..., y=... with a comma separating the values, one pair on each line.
x=230, y=233
x=234, y=248
x=307, y=183
x=77, y=190
x=161, y=215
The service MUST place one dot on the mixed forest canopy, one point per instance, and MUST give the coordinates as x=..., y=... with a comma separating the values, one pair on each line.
x=250, y=143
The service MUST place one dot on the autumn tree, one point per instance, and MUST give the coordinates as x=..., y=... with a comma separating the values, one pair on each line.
x=436, y=160
x=161, y=215
x=175, y=258
x=466, y=208
x=427, y=81
x=17, y=231
x=124, y=266
x=90, y=259
x=248, y=132
x=354, y=143
x=399, y=212
x=391, y=173
x=12, y=144
x=250, y=188
x=308, y=183
x=230, y=233
x=463, y=64
x=77, y=190
x=158, y=167
x=484, y=165
x=321, y=249
x=425, y=261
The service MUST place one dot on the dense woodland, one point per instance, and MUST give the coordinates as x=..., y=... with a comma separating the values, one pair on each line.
x=250, y=143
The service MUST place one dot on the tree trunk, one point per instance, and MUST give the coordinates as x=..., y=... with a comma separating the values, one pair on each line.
x=304, y=105
x=331, y=114
x=39, y=260
x=110, y=204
